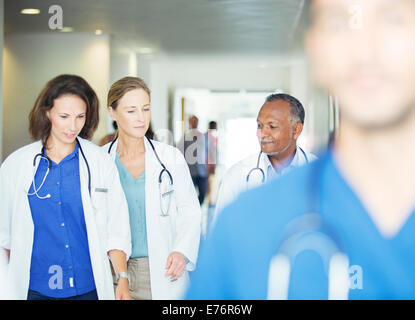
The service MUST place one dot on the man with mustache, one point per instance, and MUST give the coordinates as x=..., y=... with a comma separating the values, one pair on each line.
x=280, y=122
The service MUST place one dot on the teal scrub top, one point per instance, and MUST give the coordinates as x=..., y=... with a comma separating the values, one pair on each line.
x=134, y=190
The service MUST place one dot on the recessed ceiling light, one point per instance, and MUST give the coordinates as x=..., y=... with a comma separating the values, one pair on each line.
x=98, y=32
x=66, y=29
x=30, y=11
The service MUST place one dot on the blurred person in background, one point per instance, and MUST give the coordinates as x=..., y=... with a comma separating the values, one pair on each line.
x=212, y=156
x=361, y=192
x=193, y=145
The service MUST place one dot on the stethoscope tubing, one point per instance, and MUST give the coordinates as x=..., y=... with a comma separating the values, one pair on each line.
x=262, y=171
x=164, y=169
x=44, y=155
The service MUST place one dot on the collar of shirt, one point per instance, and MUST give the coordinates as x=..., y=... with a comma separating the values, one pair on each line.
x=74, y=153
x=297, y=161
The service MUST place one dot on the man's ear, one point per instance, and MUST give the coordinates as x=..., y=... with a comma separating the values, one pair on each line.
x=298, y=128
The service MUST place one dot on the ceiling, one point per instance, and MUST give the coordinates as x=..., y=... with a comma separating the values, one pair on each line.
x=174, y=26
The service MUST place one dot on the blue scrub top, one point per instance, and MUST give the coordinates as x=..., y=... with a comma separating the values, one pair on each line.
x=234, y=261
x=60, y=263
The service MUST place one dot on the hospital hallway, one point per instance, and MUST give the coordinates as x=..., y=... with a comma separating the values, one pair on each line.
x=198, y=102
x=217, y=60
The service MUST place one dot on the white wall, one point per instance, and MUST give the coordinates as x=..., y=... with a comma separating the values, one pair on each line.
x=211, y=72
x=30, y=60
x=123, y=62
x=239, y=72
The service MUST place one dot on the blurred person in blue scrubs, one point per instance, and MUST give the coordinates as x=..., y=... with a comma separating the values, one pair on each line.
x=363, y=52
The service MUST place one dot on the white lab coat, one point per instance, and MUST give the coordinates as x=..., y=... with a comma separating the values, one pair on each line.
x=180, y=230
x=106, y=216
x=234, y=181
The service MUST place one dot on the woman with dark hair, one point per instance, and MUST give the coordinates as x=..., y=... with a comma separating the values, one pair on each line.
x=63, y=212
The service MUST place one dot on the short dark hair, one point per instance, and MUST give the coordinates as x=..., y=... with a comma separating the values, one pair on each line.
x=66, y=84
x=212, y=125
x=297, y=109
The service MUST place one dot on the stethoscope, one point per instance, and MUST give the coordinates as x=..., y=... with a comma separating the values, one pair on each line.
x=165, y=190
x=43, y=155
x=257, y=168
x=309, y=232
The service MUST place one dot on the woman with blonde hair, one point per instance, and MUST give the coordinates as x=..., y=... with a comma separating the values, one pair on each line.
x=164, y=211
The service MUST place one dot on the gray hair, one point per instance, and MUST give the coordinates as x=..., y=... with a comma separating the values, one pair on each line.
x=297, y=109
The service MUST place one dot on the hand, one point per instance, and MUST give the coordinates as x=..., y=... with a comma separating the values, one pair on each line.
x=122, y=292
x=175, y=266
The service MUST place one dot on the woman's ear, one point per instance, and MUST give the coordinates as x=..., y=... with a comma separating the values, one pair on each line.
x=112, y=113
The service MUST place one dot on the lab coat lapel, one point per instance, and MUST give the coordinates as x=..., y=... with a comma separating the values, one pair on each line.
x=29, y=169
x=90, y=219
x=158, y=235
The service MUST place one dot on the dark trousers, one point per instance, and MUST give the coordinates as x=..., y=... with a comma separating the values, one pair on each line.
x=34, y=295
x=201, y=183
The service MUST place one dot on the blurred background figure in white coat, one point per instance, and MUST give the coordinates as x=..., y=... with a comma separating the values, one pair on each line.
x=165, y=214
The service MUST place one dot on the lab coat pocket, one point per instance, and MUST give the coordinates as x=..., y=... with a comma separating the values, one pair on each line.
x=99, y=205
x=99, y=199
x=174, y=211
